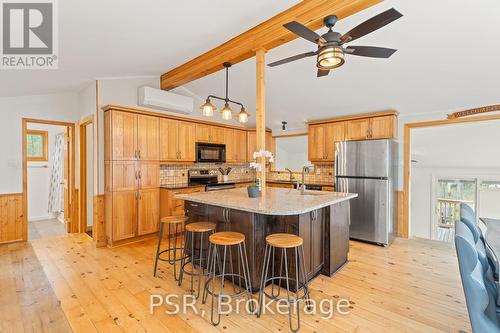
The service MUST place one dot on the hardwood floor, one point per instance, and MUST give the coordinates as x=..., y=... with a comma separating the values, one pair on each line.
x=412, y=286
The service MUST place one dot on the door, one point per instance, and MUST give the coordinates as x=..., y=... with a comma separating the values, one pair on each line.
x=124, y=136
x=448, y=194
x=169, y=134
x=149, y=175
x=124, y=215
x=334, y=132
x=317, y=232
x=316, y=142
x=148, y=211
x=186, y=142
x=357, y=129
x=382, y=127
x=148, y=138
x=371, y=217
x=240, y=145
x=202, y=133
x=229, y=141
x=216, y=134
x=125, y=176
x=251, y=145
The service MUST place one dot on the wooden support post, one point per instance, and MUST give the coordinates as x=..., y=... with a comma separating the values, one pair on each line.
x=260, y=109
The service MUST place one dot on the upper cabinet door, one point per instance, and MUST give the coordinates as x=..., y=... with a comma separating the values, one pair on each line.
x=383, y=127
x=169, y=132
x=334, y=132
x=186, y=142
x=229, y=141
x=316, y=142
x=124, y=176
x=358, y=129
x=216, y=134
x=240, y=145
x=124, y=136
x=251, y=145
x=148, y=138
x=202, y=133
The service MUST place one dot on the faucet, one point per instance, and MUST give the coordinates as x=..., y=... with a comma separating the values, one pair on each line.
x=302, y=187
x=291, y=173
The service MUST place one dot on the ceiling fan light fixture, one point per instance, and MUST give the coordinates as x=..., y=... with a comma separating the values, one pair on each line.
x=207, y=109
x=226, y=112
x=243, y=116
x=330, y=57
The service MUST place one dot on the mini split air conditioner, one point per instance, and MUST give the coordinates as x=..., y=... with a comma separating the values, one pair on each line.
x=165, y=100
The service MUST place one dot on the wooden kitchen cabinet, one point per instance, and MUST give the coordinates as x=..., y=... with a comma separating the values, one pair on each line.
x=321, y=141
x=236, y=145
x=177, y=141
x=209, y=134
x=280, y=185
x=169, y=205
x=358, y=129
x=124, y=176
x=148, y=138
x=251, y=145
x=149, y=175
x=122, y=136
x=124, y=217
x=186, y=142
x=383, y=127
x=148, y=211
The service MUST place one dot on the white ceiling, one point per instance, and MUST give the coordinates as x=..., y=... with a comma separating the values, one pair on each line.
x=447, y=57
x=471, y=145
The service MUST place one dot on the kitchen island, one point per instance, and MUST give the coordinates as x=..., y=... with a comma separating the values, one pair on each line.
x=320, y=218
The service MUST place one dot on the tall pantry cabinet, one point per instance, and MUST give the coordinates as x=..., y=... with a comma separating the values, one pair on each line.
x=132, y=175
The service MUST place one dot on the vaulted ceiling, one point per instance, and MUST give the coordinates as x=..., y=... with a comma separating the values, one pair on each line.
x=447, y=57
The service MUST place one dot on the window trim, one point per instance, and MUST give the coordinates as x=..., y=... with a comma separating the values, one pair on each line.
x=45, y=138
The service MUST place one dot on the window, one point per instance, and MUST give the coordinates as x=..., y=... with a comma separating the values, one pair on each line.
x=37, y=143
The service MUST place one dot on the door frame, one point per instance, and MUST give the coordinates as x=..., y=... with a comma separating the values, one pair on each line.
x=72, y=227
x=82, y=191
x=405, y=224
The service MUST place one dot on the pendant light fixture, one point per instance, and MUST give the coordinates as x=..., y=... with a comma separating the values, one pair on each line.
x=207, y=109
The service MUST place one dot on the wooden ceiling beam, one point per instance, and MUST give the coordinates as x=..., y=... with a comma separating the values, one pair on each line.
x=267, y=35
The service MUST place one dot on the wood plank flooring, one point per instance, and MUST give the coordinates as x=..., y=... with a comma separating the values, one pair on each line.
x=412, y=286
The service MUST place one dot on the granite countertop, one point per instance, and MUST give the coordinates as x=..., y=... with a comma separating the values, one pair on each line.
x=277, y=201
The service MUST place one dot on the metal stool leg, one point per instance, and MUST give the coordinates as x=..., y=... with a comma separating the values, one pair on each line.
x=246, y=274
x=265, y=266
x=290, y=302
x=183, y=258
x=304, y=276
x=160, y=236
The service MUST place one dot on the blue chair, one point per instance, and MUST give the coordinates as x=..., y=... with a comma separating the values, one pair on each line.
x=480, y=302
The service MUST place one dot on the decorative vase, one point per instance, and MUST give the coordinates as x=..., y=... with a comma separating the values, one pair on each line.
x=253, y=191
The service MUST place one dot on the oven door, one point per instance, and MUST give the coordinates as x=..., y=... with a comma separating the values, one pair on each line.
x=210, y=153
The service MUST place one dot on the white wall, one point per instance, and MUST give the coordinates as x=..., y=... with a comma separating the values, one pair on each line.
x=39, y=178
x=61, y=107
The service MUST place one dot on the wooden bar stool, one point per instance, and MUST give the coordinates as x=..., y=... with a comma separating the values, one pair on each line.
x=293, y=244
x=221, y=242
x=174, y=224
x=193, y=231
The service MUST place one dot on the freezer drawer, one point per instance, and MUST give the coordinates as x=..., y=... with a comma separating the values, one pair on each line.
x=370, y=213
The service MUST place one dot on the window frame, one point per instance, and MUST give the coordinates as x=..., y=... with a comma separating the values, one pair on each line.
x=45, y=147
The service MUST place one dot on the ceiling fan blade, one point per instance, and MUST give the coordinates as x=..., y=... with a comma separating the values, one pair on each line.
x=322, y=72
x=370, y=51
x=304, y=32
x=293, y=58
x=371, y=25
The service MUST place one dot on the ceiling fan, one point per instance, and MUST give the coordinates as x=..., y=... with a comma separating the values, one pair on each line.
x=330, y=52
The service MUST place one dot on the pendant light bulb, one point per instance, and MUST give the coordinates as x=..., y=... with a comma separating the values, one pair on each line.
x=207, y=109
x=243, y=116
x=226, y=112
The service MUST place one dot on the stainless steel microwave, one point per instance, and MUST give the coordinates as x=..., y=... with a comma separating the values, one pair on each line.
x=210, y=153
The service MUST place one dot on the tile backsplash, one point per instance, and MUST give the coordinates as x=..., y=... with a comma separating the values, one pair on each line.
x=177, y=175
x=173, y=175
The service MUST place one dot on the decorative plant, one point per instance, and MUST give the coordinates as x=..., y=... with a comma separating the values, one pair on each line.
x=259, y=155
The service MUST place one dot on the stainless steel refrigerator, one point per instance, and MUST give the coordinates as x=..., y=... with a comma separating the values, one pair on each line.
x=369, y=168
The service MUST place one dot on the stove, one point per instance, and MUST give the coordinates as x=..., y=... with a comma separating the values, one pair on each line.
x=208, y=178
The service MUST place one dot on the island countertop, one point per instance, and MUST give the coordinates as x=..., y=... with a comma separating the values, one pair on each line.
x=277, y=201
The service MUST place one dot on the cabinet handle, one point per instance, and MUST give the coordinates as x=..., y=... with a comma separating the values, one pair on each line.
x=136, y=176
x=139, y=154
x=140, y=174
x=136, y=195
x=135, y=154
x=194, y=205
